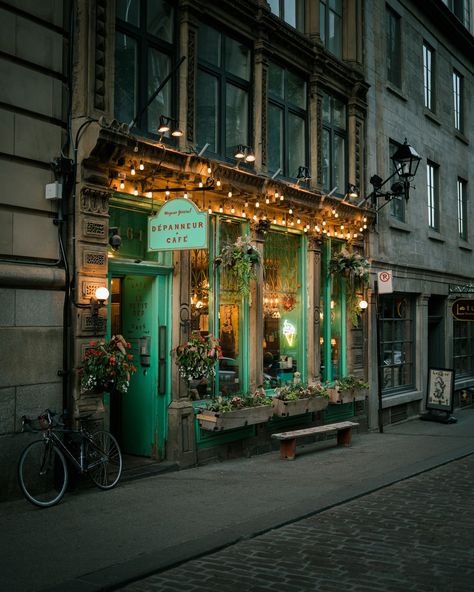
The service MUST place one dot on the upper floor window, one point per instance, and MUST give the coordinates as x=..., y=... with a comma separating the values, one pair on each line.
x=144, y=50
x=330, y=25
x=432, y=195
x=291, y=11
x=458, y=100
x=223, y=90
x=428, y=76
x=397, y=204
x=462, y=9
x=287, y=117
x=462, y=208
x=334, y=144
x=394, y=49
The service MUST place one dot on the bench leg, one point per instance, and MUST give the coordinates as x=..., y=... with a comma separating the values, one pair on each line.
x=288, y=449
x=344, y=437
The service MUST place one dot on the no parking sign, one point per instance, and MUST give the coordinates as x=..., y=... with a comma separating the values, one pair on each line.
x=385, y=282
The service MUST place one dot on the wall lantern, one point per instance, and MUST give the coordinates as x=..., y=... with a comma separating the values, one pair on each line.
x=168, y=124
x=96, y=302
x=406, y=161
x=245, y=153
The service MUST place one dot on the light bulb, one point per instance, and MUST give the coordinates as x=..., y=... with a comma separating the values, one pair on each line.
x=142, y=166
x=122, y=184
x=135, y=191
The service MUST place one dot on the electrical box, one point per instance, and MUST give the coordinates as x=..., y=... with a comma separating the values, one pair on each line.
x=53, y=190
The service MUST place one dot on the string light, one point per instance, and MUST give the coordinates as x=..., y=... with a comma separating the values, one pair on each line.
x=229, y=194
x=132, y=168
x=142, y=166
x=135, y=191
x=218, y=183
x=290, y=210
x=267, y=200
x=257, y=204
x=122, y=184
x=167, y=192
x=282, y=197
x=221, y=209
x=200, y=184
x=276, y=195
x=232, y=209
x=209, y=209
x=185, y=195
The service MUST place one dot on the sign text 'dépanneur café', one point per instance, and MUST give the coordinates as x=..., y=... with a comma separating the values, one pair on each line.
x=178, y=225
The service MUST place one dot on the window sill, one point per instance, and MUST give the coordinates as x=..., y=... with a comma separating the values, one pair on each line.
x=399, y=225
x=401, y=398
x=464, y=245
x=396, y=91
x=461, y=137
x=432, y=117
x=436, y=236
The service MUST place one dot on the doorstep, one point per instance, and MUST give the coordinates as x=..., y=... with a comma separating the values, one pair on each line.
x=139, y=467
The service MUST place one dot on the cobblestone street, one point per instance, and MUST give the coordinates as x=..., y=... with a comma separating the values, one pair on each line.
x=415, y=535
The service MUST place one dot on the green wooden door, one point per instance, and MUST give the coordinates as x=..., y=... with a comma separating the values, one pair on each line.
x=140, y=327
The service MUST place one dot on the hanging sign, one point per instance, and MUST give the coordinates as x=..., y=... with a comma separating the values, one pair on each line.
x=178, y=225
x=463, y=309
x=385, y=282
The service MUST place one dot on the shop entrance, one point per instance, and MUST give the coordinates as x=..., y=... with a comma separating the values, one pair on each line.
x=138, y=418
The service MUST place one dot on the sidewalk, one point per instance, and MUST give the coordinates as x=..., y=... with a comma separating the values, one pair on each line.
x=96, y=540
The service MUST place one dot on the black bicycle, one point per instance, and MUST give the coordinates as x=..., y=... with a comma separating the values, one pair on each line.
x=43, y=469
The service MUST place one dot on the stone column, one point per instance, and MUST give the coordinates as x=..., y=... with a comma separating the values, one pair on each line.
x=421, y=345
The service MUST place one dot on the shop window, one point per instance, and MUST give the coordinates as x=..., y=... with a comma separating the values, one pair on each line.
x=223, y=89
x=282, y=309
x=334, y=142
x=463, y=348
x=287, y=121
x=397, y=342
x=330, y=25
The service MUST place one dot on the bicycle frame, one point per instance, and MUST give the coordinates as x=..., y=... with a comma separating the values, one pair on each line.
x=80, y=465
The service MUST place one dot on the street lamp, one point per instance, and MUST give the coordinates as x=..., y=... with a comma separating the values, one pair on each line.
x=406, y=161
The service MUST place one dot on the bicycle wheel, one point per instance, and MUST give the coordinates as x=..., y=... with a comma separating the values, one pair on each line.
x=42, y=473
x=104, y=460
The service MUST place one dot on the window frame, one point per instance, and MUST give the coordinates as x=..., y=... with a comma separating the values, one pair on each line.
x=145, y=42
x=432, y=192
x=463, y=331
x=225, y=77
x=394, y=41
x=429, y=77
x=325, y=13
x=461, y=194
x=288, y=109
x=335, y=132
x=458, y=99
x=278, y=8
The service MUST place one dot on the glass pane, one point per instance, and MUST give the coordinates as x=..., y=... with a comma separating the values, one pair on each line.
x=160, y=19
x=209, y=47
x=236, y=118
x=237, y=58
x=290, y=12
x=158, y=69
x=281, y=309
x=326, y=159
x=326, y=109
x=128, y=11
x=274, y=6
x=296, y=90
x=339, y=163
x=275, y=138
x=275, y=80
x=322, y=22
x=339, y=114
x=125, y=78
x=334, y=43
x=296, y=144
x=207, y=106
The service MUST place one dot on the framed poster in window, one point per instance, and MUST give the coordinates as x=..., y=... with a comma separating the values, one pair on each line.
x=440, y=392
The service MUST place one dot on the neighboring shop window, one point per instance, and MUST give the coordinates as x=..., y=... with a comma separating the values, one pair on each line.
x=287, y=117
x=463, y=348
x=332, y=318
x=397, y=342
x=330, y=25
x=291, y=11
x=282, y=309
x=229, y=302
x=144, y=50
x=334, y=144
x=222, y=94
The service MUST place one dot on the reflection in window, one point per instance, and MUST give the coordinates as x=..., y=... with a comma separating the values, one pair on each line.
x=334, y=144
x=396, y=342
x=282, y=325
x=330, y=25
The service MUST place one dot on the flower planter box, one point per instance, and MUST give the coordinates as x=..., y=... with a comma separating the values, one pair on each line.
x=339, y=396
x=298, y=407
x=216, y=421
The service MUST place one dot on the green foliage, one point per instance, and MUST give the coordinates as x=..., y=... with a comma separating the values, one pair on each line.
x=293, y=392
x=351, y=383
x=241, y=259
x=197, y=358
x=107, y=366
x=257, y=399
x=356, y=269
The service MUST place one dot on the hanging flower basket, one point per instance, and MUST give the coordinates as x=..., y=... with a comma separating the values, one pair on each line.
x=197, y=358
x=241, y=259
x=235, y=412
x=298, y=399
x=355, y=268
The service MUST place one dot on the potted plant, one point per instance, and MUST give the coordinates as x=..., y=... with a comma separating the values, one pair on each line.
x=234, y=412
x=296, y=399
x=348, y=390
x=197, y=358
x=355, y=268
x=241, y=259
x=107, y=366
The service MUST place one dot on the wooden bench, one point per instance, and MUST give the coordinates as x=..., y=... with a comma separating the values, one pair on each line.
x=343, y=430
